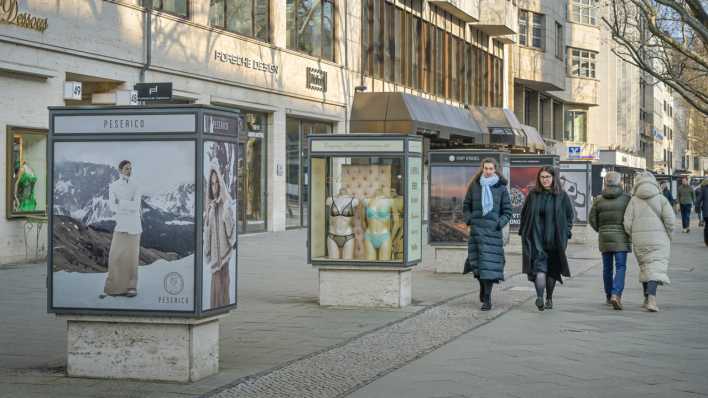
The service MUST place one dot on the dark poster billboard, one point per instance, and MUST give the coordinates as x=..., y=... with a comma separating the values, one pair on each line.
x=450, y=174
x=524, y=169
x=576, y=182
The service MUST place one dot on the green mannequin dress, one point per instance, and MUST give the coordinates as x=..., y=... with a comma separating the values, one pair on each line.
x=25, y=189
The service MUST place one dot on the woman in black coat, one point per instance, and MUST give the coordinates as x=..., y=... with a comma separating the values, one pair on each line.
x=487, y=209
x=546, y=223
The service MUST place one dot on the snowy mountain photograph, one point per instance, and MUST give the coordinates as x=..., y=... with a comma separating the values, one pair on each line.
x=89, y=213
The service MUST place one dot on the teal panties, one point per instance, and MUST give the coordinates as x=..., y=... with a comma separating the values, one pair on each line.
x=377, y=239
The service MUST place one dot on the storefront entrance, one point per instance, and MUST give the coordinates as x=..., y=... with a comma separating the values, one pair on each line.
x=252, y=169
x=297, y=131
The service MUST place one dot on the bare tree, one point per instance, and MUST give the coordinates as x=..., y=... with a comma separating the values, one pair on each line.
x=668, y=40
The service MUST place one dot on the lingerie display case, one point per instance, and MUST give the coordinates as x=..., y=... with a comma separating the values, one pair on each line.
x=365, y=202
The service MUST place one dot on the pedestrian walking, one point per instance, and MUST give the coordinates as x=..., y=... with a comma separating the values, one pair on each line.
x=699, y=209
x=702, y=204
x=666, y=191
x=606, y=218
x=487, y=209
x=686, y=199
x=649, y=221
x=545, y=227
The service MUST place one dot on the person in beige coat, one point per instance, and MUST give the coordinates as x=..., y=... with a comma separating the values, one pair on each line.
x=219, y=238
x=649, y=220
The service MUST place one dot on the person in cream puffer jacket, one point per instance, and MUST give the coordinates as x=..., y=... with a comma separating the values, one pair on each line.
x=649, y=220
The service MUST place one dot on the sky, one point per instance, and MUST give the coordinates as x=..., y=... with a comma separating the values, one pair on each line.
x=157, y=166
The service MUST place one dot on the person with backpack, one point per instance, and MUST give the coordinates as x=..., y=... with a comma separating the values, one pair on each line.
x=649, y=221
x=606, y=218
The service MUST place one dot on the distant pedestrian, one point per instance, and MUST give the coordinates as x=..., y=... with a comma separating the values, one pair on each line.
x=606, y=218
x=487, y=209
x=699, y=209
x=666, y=191
x=702, y=204
x=686, y=199
x=546, y=223
x=649, y=221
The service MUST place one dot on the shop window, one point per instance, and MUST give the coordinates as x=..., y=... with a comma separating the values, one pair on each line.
x=584, y=11
x=582, y=63
x=576, y=126
x=310, y=27
x=176, y=7
x=26, y=172
x=252, y=169
x=245, y=17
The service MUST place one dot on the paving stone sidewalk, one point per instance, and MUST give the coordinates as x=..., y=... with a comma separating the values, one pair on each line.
x=278, y=327
x=581, y=348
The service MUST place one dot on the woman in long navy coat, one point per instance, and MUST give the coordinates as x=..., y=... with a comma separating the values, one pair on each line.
x=487, y=209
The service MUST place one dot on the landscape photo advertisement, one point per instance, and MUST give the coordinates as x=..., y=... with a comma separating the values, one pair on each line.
x=86, y=211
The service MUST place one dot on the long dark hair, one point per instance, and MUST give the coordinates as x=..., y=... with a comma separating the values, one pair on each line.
x=555, y=188
x=212, y=194
x=478, y=174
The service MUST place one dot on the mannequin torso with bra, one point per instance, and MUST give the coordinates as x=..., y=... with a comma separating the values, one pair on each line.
x=340, y=238
x=377, y=237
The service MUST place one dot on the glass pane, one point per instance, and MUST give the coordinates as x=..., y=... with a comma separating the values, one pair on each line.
x=28, y=180
x=398, y=44
x=291, y=11
x=292, y=177
x=239, y=16
x=262, y=20
x=415, y=44
x=357, y=206
x=328, y=30
x=365, y=39
x=309, y=19
x=439, y=76
x=253, y=180
x=216, y=13
x=177, y=7
x=378, y=38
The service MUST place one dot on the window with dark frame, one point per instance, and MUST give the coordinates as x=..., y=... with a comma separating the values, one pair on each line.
x=310, y=27
x=559, y=41
x=179, y=8
x=246, y=17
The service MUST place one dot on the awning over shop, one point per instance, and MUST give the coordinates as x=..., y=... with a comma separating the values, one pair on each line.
x=533, y=139
x=403, y=113
x=501, y=124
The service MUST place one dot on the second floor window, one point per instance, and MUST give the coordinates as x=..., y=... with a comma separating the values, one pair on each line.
x=245, y=17
x=582, y=63
x=176, y=7
x=584, y=11
x=310, y=27
x=531, y=29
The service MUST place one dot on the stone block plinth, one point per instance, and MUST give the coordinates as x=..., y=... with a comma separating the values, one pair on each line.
x=450, y=259
x=142, y=348
x=364, y=286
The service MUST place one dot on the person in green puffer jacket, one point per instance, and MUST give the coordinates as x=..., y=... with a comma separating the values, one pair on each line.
x=606, y=218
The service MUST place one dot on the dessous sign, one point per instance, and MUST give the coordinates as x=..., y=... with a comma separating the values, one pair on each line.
x=9, y=13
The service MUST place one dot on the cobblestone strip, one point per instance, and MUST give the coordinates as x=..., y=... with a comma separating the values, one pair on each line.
x=342, y=369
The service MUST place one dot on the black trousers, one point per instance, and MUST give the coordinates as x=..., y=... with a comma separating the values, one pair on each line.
x=705, y=229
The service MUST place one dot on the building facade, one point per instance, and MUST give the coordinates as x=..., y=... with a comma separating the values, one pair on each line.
x=569, y=84
x=290, y=67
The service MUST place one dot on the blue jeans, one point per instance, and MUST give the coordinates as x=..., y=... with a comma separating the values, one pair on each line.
x=686, y=216
x=614, y=285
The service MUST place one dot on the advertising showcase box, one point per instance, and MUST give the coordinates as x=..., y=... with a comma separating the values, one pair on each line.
x=143, y=210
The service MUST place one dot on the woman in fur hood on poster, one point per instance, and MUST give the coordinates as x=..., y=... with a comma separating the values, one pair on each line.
x=220, y=237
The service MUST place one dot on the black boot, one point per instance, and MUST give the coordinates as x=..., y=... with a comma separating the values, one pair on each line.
x=487, y=297
x=549, y=303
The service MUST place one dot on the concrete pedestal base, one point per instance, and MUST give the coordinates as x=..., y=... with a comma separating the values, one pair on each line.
x=165, y=349
x=365, y=286
x=450, y=259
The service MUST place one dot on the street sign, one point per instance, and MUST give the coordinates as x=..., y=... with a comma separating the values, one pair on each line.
x=154, y=91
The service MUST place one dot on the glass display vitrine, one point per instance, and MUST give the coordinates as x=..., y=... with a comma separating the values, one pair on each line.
x=365, y=200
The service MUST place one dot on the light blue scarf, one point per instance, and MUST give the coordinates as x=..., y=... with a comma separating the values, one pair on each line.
x=487, y=198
